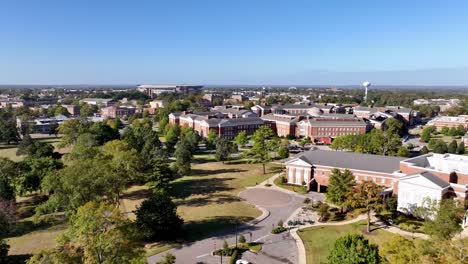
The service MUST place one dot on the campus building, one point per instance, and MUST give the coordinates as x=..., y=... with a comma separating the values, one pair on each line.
x=413, y=180
x=154, y=90
x=117, y=111
x=449, y=121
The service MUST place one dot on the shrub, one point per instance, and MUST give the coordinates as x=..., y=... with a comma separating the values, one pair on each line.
x=307, y=200
x=283, y=180
x=278, y=229
x=234, y=257
x=268, y=185
x=242, y=239
x=280, y=223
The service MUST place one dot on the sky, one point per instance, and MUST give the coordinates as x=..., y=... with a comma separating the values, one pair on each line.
x=420, y=42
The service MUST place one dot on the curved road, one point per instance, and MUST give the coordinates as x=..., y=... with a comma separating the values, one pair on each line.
x=279, y=248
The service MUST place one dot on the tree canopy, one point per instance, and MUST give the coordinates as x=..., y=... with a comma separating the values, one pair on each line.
x=354, y=249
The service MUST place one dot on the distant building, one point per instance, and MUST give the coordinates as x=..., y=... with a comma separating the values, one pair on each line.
x=42, y=125
x=449, y=121
x=154, y=90
x=11, y=102
x=444, y=104
x=117, y=111
x=101, y=102
x=325, y=129
x=73, y=110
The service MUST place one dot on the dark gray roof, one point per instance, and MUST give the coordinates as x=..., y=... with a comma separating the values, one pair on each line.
x=337, y=123
x=433, y=178
x=350, y=160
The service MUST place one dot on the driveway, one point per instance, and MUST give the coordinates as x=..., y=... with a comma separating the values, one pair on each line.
x=280, y=248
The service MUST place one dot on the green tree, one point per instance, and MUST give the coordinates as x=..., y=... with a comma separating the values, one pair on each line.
x=366, y=195
x=241, y=139
x=453, y=132
x=183, y=157
x=461, y=130
x=103, y=132
x=168, y=259
x=440, y=147
x=323, y=211
x=394, y=126
x=157, y=217
x=402, y=152
x=33, y=170
x=400, y=250
x=447, y=220
x=210, y=140
x=354, y=249
x=445, y=131
x=461, y=148
x=224, y=149
x=34, y=148
x=340, y=184
x=172, y=136
x=161, y=177
x=263, y=144
x=8, y=129
x=88, y=110
x=242, y=239
x=427, y=132
x=8, y=176
x=97, y=234
x=283, y=152
x=452, y=147
x=71, y=129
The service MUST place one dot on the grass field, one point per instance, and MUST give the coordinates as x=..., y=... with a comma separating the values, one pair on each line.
x=9, y=151
x=319, y=241
x=207, y=199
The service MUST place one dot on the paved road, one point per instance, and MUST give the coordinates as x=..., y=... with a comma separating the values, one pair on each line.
x=280, y=248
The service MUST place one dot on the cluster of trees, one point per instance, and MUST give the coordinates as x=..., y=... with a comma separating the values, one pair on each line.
x=376, y=142
x=430, y=131
x=8, y=131
x=439, y=146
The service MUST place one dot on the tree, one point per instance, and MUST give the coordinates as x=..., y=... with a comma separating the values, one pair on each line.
x=461, y=148
x=426, y=133
x=354, y=249
x=400, y=250
x=402, y=152
x=163, y=123
x=323, y=211
x=8, y=129
x=33, y=148
x=461, y=130
x=168, y=259
x=7, y=216
x=452, y=147
x=71, y=129
x=366, y=195
x=445, y=131
x=33, y=170
x=453, y=132
x=82, y=181
x=8, y=175
x=161, y=177
x=97, y=234
x=394, y=126
x=103, y=132
x=172, y=136
x=440, y=147
x=224, y=148
x=448, y=216
x=241, y=139
x=283, y=152
x=191, y=137
x=4, y=247
x=157, y=217
x=88, y=110
x=424, y=150
x=210, y=140
x=340, y=184
x=183, y=157
x=263, y=144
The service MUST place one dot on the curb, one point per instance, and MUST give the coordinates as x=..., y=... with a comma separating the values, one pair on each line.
x=263, y=216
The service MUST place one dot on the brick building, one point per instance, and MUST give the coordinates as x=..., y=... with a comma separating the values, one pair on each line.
x=433, y=176
x=117, y=111
x=449, y=121
x=325, y=128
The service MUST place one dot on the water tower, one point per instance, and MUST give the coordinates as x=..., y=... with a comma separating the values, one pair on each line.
x=366, y=85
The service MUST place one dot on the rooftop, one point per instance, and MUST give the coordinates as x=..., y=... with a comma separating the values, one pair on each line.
x=350, y=160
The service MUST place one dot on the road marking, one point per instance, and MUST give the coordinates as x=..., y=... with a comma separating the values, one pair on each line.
x=258, y=239
x=204, y=255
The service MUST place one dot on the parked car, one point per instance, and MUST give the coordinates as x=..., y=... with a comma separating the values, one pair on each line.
x=241, y=261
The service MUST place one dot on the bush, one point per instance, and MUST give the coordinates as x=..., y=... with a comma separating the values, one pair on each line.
x=234, y=257
x=242, y=239
x=278, y=229
x=268, y=185
x=307, y=201
x=283, y=180
x=280, y=223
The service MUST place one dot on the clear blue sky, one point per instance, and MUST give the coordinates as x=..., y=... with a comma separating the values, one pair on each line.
x=233, y=42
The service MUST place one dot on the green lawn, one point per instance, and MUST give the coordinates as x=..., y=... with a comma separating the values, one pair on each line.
x=319, y=241
x=9, y=151
x=207, y=198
